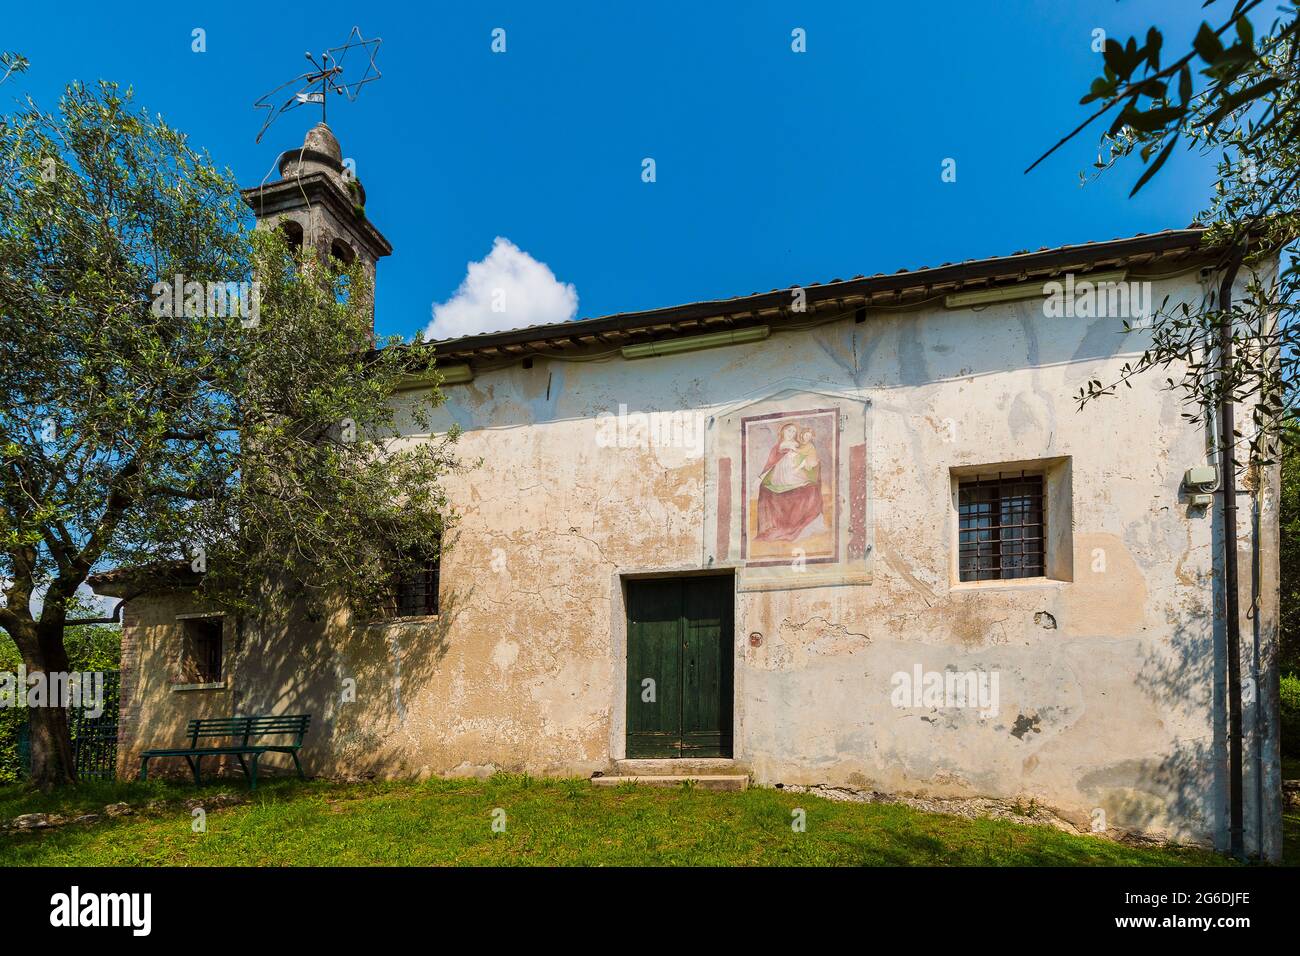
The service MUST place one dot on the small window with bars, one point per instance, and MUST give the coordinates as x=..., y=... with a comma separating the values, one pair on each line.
x=201, y=652
x=1002, y=532
x=416, y=591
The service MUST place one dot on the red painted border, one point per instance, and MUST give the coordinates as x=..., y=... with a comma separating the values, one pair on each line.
x=723, y=549
x=857, y=549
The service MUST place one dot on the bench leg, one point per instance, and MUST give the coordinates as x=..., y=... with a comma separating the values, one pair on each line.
x=242, y=766
x=296, y=763
x=196, y=764
x=252, y=779
x=144, y=768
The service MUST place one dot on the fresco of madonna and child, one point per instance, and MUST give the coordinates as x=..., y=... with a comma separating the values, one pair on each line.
x=790, y=477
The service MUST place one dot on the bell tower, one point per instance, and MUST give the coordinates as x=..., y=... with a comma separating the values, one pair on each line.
x=320, y=202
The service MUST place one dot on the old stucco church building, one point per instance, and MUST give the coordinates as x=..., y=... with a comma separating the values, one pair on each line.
x=856, y=533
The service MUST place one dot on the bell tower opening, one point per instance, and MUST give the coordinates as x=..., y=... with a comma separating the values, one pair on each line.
x=342, y=252
x=292, y=230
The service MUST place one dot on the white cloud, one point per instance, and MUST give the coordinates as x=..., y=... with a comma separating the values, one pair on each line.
x=507, y=289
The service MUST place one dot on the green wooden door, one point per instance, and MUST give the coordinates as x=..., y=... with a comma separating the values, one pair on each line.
x=679, y=666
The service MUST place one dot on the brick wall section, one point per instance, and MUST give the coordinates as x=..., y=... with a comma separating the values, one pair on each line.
x=128, y=705
x=151, y=712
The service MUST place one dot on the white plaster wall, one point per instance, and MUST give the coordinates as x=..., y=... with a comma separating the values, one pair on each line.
x=1112, y=708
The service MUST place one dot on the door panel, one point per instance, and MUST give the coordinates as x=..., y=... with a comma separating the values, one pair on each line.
x=679, y=635
x=706, y=668
x=654, y=653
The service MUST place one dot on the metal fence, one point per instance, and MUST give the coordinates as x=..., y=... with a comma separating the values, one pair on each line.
x=94, y=739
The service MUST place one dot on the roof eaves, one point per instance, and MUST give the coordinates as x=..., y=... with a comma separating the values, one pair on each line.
x=949, y=276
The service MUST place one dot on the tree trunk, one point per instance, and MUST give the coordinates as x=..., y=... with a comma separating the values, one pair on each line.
x=52, y=758
x=52, y=763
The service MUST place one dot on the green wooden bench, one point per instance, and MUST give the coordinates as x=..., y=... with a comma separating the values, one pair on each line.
x=242, y=730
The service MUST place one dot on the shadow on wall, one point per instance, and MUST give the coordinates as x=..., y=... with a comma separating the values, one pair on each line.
x=354, y=678
x=1183, y=790
x=913, y=349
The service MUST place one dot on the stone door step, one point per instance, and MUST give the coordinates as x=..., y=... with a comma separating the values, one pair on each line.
x=708, y=781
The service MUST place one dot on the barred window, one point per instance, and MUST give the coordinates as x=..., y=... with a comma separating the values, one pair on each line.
x=201, y=651
x=1001, y=528
x=416, y=593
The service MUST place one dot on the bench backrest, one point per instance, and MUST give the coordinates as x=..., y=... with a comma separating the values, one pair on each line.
x=248, y=728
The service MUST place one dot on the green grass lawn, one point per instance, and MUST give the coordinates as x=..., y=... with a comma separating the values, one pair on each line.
x=547, y=822
x=1291, y=820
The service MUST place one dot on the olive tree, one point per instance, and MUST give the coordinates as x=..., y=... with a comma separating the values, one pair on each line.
x=146, y=421
x=1234, y=96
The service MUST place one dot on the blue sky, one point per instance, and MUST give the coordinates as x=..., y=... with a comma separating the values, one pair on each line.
x=772, y=167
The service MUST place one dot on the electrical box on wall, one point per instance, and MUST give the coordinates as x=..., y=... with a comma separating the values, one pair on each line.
x=1200, y=482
